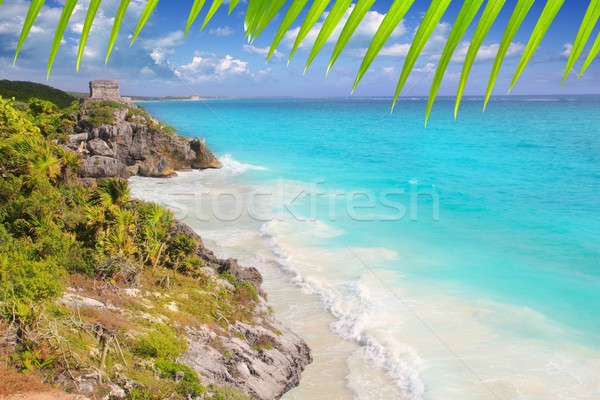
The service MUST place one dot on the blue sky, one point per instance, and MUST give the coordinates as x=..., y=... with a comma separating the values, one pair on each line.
x=220, y=62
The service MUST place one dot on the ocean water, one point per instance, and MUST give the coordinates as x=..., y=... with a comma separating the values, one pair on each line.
x=457, y=261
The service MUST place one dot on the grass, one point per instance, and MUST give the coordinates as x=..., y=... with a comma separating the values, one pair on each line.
x=150, y=349
x=13, y=382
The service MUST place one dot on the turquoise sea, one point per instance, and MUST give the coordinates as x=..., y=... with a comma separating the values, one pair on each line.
x=456, y=261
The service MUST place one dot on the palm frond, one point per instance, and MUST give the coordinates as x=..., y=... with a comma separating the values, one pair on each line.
x=116, y=27
x=260, y=14
x=548, y=14
x=290, y=16
x=34, y=10
x=463, y=20
x=430, y=21
x=518, y=16
x=211, y=12
x=266, y=16
x=357, y=15
x=148, y=9
x=593, y=53
x=490, y=13
x=589, y=22
x=232, y=5
x=392, y=18
x=87, y=27
x=60, y=31
x=196, y=8
x=313, y=15
x=331, y=22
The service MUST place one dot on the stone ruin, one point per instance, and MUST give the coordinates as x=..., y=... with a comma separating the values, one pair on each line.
x=106, y=90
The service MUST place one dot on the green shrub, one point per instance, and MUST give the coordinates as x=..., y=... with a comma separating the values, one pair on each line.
x=102, y=112
x=29, y=279
x=51, y=121
x=189, y=385
x=162, y=342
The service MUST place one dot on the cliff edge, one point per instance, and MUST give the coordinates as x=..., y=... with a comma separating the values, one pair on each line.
x=109, y=297
x=120, y=140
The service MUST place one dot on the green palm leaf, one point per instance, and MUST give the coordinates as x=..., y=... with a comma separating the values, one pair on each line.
x=87, y=26
x=331, y=22
x=315, y=11
x=585, y=30
x=358, y=13
x=116, y=27
x=391, y=20
x=232, y=5
x=540, y=29
x=592, y=55
x=516, y=19
x=60, y=31
x=253, y=11
x=289, y=18
x=267, y=17
x=150, y=6
x=196, y=8
x=430, y=20
x=490, y=13
x=463, y=20
x=211, y=12
x=34, y=10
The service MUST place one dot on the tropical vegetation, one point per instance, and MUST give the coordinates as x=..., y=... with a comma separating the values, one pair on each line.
x=91, y=239
x=261, y=13
x=23, y=91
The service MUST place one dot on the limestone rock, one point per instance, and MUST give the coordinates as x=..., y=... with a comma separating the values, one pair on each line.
x=265, y=373
x=204, y=157
x=263, y=359
x=102, y=167
x=131, y=146
x=100, y=147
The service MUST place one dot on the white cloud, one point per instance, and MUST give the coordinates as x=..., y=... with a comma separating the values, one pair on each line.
x=171, y=39
x=207, y=67
x=161, y=47
x=395, y=50
x=567, y=47
x=262, y=51
x=487, y=52
x=160, y=55
x=222, y=31
x=363, y=33
x=427, y=68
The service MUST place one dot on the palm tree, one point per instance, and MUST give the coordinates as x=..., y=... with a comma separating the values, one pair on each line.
x=261, y=13
x=71, y=162
x=111, y=193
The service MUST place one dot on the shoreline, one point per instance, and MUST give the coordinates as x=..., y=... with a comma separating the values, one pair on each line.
x=489, y=334
x=343, y=361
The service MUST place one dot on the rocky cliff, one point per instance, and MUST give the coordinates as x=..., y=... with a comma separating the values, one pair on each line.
x=262, y=358
x=258, y=356
x=130, y=142
x=121, y=301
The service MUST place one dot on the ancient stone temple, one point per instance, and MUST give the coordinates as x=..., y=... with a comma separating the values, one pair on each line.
x=106, y=90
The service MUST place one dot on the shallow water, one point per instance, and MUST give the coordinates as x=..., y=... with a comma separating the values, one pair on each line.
x=457, y=261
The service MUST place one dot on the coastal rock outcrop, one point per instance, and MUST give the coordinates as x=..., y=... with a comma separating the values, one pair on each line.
x=256, y=360
x=133, y=145
x=264, y=359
